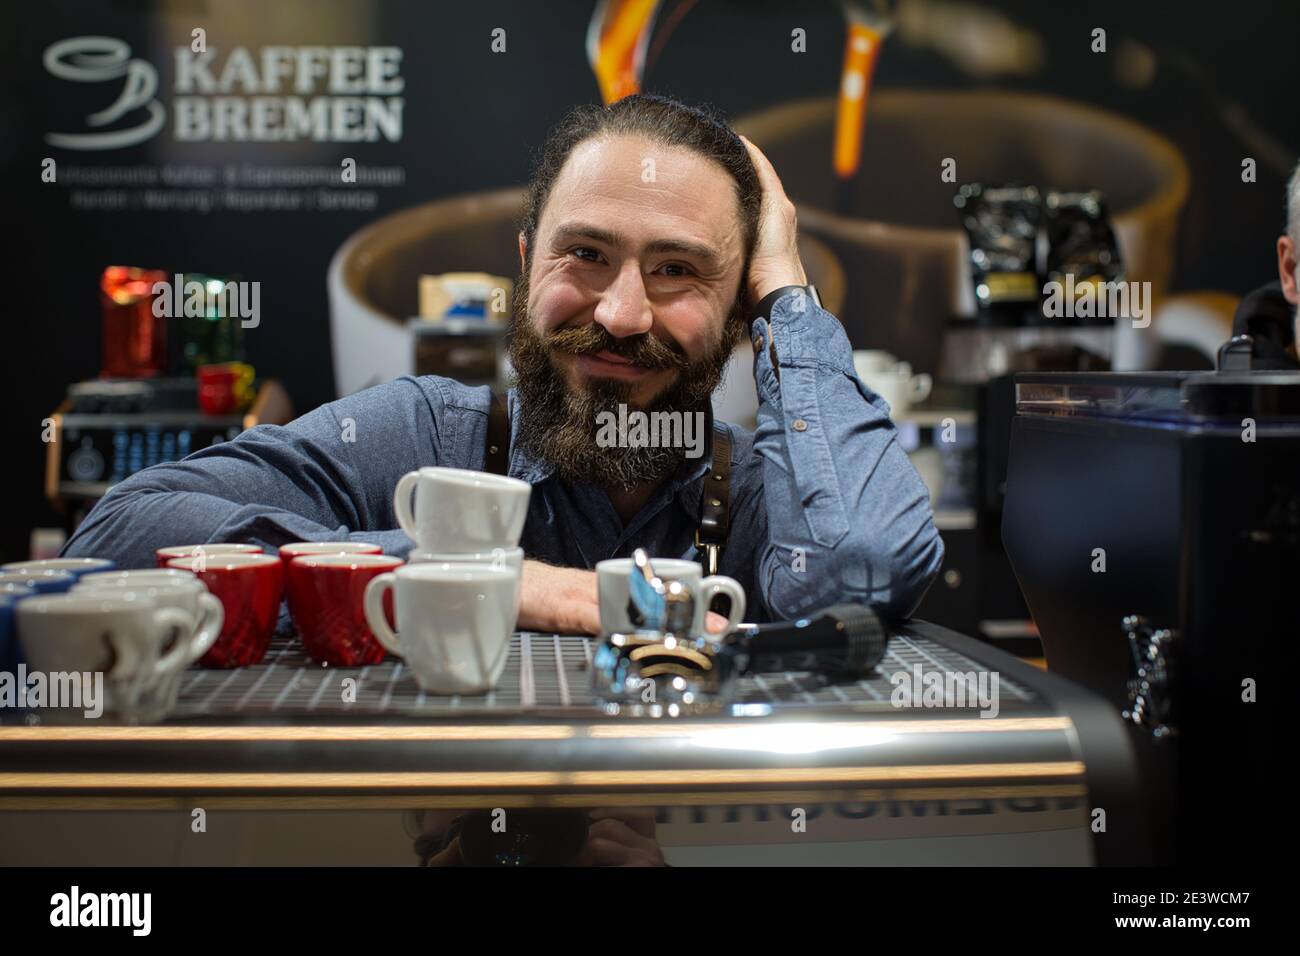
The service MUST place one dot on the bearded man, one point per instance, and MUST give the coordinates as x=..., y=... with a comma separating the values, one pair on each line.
x=654, y=237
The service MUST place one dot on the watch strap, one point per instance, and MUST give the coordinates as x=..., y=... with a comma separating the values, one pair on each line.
x=764, y=307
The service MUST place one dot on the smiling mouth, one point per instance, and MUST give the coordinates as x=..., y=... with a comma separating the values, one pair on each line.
x=609, y=365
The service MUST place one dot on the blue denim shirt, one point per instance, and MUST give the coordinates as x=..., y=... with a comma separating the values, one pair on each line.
x=825, y=505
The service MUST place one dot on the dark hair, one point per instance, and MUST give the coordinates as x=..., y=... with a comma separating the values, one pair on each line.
x=662, y=120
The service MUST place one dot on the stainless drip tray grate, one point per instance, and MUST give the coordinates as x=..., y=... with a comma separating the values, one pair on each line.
x=545, y=672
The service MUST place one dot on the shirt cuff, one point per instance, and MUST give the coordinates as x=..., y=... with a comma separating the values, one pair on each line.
x=804, y=335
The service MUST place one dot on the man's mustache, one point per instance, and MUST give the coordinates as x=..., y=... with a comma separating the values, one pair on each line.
x=643, y=349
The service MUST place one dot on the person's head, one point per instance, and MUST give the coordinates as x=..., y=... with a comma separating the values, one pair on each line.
x=640, y=221
x=1288, y=247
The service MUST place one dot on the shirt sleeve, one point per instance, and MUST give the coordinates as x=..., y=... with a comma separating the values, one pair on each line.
x=848, y=516
x=326, y=476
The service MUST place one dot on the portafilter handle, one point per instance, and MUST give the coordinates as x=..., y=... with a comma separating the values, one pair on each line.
x=844, y=641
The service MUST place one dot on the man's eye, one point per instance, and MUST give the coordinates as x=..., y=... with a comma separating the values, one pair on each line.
x=675, y=270
x=586, y=254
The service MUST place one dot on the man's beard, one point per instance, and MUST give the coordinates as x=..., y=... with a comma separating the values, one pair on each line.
x=559, y=425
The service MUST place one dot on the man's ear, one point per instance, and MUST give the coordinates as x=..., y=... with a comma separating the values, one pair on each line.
x=523, y=252
x=1286, y=268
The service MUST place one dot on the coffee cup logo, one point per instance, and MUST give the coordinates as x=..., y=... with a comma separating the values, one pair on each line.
x=105, y=60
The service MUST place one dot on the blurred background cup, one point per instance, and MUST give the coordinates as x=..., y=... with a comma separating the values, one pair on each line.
x=47, y=581
x=457, y=510
x=899, y=387
x=77, y=567
x=511, y=558
x=299, y=549
x=250, y=587
x=187, y=594
x=613, y=588
x=454, y=623
x=871, y=361
x=121, y=636
x=327, y=601
x=164, y=555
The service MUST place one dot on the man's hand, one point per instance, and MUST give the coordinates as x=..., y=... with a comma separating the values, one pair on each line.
x=621, y=837
x=558, y=600
x=566, y=601
x=775, y=262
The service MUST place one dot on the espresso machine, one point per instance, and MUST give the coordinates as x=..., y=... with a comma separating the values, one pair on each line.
x=1153, y=523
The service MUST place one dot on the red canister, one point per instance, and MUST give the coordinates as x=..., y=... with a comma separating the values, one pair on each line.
x=135, y=340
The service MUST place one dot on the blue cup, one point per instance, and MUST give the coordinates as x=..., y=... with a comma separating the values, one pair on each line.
x=10, y=649
x=74, y=566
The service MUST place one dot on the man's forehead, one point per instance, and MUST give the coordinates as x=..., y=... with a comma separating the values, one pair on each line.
x=642, y=193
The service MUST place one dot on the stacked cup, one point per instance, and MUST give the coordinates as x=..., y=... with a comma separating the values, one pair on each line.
x=137, y=641
x=457, y=600
x=169, y=588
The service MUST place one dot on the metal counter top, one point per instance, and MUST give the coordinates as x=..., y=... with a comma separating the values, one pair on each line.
x=283, y=729
x=280, y=737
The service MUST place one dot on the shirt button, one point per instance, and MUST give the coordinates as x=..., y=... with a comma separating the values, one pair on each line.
x=800, y=425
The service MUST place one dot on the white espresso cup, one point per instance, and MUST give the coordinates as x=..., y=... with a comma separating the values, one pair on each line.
x=613, y=588
x=188, y=594
x=457, y=510
x=121, y=636
x=454, y=622
x=509, y=558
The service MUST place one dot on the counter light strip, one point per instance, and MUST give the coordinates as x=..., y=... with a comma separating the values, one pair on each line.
x=560, y=779
x=220, y=733
x=900, y=727
x=512, y=732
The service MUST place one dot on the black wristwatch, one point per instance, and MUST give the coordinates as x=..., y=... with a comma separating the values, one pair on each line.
x=764, y=307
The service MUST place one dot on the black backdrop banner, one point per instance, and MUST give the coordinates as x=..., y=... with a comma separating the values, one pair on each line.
x=228, y=162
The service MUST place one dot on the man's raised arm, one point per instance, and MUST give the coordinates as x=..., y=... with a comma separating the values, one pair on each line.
x=848, y=516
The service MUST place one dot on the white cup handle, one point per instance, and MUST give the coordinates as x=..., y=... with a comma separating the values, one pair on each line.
x=211, y=618
x=402, y=503
x=164, y=620
x=126, y=660
x=903, y=370
x=374, y=603
x=921, y=386
x=717, y=584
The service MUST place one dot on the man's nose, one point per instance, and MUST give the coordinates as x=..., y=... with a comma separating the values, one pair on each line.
x=624, y=308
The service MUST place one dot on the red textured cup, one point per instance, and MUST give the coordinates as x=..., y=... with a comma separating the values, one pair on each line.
x=306, y=549
x=326, y=598
x=163, y=555
x=249, y=587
